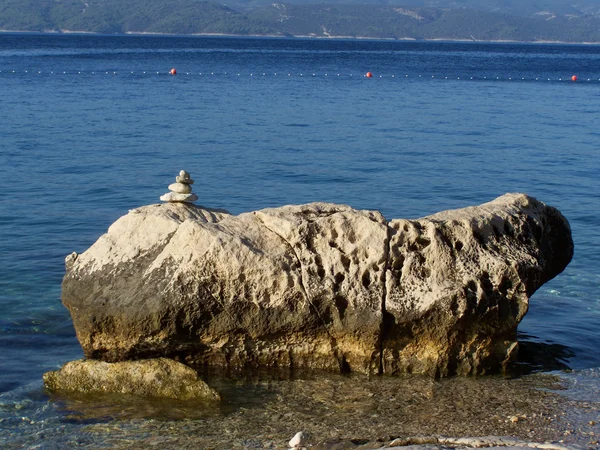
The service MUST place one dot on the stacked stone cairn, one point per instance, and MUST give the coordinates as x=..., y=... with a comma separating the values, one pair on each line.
x=181, y=191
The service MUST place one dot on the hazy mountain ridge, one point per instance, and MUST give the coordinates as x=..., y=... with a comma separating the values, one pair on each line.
x=318, y=20
x=512, y=7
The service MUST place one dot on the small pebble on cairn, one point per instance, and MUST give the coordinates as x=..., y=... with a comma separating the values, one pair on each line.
x=181, y=191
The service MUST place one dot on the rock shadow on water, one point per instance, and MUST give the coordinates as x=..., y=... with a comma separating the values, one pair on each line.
x=536, y=356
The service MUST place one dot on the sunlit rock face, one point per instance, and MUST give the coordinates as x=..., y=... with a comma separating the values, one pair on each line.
x=316, y=286
x=459, y=282
x=157, y=377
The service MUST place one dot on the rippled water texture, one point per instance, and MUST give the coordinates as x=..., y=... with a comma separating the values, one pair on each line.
x=89, y=130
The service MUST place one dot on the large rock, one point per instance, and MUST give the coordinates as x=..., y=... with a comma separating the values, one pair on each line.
x=459, y=283
x=159, y=377
x=316, y=286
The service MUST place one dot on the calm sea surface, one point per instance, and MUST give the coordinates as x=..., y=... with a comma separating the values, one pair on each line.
x=93, y=126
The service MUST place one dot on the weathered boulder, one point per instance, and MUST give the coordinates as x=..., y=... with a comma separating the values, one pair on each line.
x=316, y=286
x=159, y=377
x=459, y=283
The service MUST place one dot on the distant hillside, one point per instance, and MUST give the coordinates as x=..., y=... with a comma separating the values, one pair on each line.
x=122, y=16
x=319, y=20
x=424, y=23
x=524, y=8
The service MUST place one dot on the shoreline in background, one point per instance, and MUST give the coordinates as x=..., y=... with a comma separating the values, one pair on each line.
x=279, y=36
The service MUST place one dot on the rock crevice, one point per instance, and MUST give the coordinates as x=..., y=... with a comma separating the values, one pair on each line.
x=335, y=352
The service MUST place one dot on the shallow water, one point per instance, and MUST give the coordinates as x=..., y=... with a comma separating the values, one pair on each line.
x=84, y=140
x=265, y=413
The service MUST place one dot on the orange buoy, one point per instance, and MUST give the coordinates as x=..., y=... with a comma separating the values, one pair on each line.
x=173, y=72
x=368, y=75
x=574, y=78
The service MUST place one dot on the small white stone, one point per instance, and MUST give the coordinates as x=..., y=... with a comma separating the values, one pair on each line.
x=184, y=177
x=184, y=180
x=180, y=188
x=174, y=197
x=298, y=440
x=70, y=260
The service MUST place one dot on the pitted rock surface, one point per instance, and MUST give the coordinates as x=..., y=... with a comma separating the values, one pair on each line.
x=318, y=286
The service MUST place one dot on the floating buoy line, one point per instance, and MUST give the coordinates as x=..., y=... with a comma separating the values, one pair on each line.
x=367, y=75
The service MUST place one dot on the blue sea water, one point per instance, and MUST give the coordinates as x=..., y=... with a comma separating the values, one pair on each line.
x=93, y=126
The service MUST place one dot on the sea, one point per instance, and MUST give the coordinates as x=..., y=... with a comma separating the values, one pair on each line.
x=92, y=126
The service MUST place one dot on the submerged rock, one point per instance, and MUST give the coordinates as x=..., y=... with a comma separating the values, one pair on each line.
x=316, y=286
x=160, y=377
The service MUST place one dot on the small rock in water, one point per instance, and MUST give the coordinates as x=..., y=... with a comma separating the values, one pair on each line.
x=514, y=419
x=158, y=377
x=298, y=440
